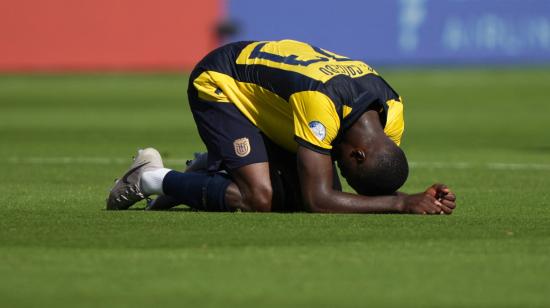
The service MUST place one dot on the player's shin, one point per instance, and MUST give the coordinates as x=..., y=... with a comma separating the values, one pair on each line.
x=200, y=191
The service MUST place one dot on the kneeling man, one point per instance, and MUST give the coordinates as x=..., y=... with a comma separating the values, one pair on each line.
x=319, y=106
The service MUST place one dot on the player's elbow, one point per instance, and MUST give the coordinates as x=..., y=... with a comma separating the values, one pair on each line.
x=316, y=202
x=259, y=199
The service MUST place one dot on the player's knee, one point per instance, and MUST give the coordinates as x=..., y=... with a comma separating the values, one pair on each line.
x=259, y=198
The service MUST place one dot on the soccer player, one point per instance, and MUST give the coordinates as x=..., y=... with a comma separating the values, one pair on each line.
x=306, y=100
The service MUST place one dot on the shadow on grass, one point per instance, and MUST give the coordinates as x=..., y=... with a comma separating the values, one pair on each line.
x=174, y=209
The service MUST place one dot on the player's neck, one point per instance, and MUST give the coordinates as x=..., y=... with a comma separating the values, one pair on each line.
x=366, y=130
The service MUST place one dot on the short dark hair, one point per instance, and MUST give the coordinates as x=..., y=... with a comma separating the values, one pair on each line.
x=385, y=170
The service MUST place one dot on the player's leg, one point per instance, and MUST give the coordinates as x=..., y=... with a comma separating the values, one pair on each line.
x=236, y=145
x=233, y=144
x=280, y=181
x=165, y=202
x=147, y=176
x=232, y=141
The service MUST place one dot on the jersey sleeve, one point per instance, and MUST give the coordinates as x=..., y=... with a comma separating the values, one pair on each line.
x=316, y=121
x=395, y=123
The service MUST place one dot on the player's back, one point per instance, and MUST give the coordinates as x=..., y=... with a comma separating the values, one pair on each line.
x=288, y=66
x=272, y=82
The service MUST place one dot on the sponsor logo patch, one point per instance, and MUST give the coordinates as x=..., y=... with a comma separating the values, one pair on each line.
x=242, y=147
x=318, y=129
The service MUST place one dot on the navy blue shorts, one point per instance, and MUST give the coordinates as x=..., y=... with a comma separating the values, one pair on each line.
x=231, y=139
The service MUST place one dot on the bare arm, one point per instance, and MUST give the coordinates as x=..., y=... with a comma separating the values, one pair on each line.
x=315, y=172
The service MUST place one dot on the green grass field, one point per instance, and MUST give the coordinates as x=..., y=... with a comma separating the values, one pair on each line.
x=64, y=138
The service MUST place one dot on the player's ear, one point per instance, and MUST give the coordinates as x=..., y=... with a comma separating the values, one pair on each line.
x=359, y=155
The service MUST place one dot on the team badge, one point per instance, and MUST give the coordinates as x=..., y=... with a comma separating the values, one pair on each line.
x=318, y=129
x=242, y=147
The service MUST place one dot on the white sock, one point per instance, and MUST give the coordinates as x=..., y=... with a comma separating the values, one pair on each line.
x=151, y=181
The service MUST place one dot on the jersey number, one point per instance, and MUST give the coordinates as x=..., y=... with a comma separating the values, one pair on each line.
x=293, y=59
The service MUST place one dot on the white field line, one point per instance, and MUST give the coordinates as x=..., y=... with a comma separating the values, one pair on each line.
x=181, y=162
x=491, y=165
x=81, y=160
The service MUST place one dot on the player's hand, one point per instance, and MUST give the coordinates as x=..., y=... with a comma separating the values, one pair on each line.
x=437, y=199
x=444, y=195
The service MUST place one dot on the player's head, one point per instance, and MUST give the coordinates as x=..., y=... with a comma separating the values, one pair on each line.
x=376, y=171
x=371, y=163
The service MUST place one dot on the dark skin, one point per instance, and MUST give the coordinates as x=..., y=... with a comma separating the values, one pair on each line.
x=251, y=190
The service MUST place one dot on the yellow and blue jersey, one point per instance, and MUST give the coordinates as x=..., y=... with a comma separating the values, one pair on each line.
x=295, y=93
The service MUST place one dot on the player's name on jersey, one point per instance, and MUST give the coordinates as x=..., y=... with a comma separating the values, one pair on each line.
x=345, y=69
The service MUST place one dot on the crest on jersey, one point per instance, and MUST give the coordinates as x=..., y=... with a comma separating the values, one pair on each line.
x=318, y=129
x=242, y=147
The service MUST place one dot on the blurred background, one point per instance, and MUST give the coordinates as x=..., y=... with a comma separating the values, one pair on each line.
x=60, y=35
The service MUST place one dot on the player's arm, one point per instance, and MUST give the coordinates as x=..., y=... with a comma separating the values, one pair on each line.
x=315, y=172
